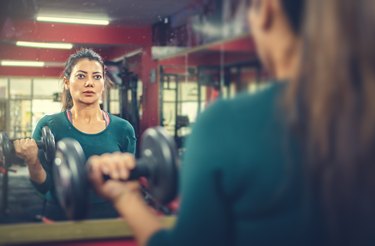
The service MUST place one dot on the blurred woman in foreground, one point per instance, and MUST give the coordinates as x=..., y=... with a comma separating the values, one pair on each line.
x=292, y=164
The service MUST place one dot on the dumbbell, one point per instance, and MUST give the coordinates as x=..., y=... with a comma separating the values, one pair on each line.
x=158, y=163
x=47, y=144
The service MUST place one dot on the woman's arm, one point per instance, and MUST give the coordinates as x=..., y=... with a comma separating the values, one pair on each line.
x=40, y=173
x=141, y=219
x=125, y=196
x=28, y=150
x=204, y=215
x=127, y=139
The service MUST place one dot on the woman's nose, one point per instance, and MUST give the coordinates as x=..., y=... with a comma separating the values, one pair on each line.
x=89, y=83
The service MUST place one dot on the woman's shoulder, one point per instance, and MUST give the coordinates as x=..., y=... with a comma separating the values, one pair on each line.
x=264, y=94
x=117, y=121
x=264, y=98
x=53, y=121
x=48, y=118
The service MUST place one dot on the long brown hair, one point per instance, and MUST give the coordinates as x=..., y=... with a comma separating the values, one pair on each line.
x=335, y=104
x=83, y=53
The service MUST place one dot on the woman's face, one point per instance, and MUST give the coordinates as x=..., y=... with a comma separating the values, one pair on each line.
x=86, y=82
x=257, y=19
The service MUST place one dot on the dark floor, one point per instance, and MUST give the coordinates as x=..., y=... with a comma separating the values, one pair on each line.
x=23, y=202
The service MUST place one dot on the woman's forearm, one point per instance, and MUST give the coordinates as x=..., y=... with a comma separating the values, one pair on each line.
x=37, y=172
x=141, y=219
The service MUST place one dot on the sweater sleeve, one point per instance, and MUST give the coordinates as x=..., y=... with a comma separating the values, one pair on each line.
x=129, y=138
x=203, y=216
x=47, y=184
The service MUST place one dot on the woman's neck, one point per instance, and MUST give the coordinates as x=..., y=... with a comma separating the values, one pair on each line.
x=86, y=114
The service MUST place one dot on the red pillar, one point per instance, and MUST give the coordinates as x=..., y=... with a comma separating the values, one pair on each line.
x=150, y=102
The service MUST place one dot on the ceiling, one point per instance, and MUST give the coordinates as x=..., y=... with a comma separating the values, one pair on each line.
x=126, y=12
x=130, y=28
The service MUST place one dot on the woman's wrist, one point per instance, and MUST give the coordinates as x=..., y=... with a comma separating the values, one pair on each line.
x=127, y=201
x=37, y=173
x=33, y=163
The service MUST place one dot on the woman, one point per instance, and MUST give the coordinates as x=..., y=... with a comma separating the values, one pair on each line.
x=297, y=167
x=82, y=119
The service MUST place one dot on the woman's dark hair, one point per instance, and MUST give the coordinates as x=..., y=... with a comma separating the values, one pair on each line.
x=334, y=103
x=293, y=9
x=294, y=12
x=84, y=53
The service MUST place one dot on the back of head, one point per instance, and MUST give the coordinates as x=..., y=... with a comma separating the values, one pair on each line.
x=335, y=105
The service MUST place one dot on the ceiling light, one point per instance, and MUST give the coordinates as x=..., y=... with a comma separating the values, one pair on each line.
x=45, y=45
x=13, y=63
x=102, y=22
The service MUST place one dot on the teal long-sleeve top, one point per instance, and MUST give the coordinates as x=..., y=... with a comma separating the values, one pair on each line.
x=117, y=136
x=241, y=182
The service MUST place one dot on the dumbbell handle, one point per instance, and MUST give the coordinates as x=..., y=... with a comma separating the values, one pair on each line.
x=141, y=170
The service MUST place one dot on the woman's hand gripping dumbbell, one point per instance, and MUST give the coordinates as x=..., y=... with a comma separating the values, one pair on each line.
x=27, y=148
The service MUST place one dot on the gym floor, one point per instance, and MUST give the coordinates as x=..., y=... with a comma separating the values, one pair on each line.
x=24, y=203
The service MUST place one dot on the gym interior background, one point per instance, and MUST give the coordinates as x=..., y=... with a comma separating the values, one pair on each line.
x=168, y=60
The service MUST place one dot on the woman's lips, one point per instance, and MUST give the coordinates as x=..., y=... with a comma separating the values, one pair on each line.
x=88, y=93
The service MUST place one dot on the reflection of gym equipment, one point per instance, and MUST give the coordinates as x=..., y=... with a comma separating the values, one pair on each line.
x=127, y=81
x=166, y=85
x=182, y=121
x=158, y=163
x=47, y=144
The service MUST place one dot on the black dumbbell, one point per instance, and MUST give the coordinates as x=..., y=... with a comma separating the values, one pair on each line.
x=158, y=163
x=46, y=143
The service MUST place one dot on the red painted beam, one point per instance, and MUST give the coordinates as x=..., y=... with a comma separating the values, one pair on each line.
x=31, y=71
x=115, y=52
x=209, y=58
x=14, y=30
x=244, y=44
x=232, y=51
x=12, y=52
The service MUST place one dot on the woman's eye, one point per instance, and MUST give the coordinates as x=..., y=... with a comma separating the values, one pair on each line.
x=97, y=77
x=80, y=76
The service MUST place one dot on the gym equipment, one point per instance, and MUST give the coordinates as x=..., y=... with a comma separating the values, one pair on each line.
x=158, y=163
x=47, y=144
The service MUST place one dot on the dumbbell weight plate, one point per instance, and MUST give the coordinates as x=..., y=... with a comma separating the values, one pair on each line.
x=160, y=148
x=70, y=178
x=49, y=145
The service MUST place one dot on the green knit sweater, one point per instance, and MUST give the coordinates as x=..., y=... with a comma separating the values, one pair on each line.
x=241, y=178
x=117, y=136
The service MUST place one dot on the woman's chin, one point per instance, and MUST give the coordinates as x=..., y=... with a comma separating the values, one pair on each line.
x=88, y=101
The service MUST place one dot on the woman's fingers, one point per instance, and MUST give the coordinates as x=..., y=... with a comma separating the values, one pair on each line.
x=116, y=165
x=95, y=173
x=25, y=148
x=121, y=166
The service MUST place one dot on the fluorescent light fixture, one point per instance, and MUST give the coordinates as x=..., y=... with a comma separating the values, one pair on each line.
x=66, y=46
x=102, y=22
x=12, y=63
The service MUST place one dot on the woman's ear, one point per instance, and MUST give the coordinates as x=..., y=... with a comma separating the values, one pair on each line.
x=66, y=83
x=267, y=13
